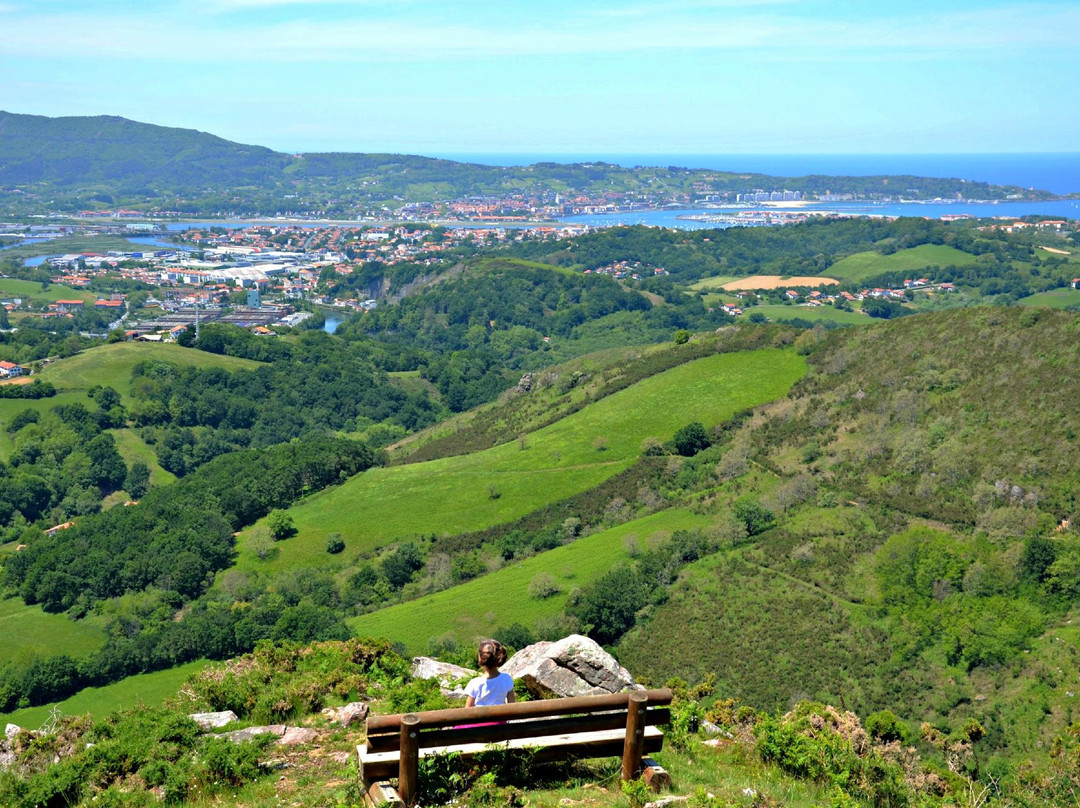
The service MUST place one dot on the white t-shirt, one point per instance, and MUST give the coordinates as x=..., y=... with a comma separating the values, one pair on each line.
x=487, y=692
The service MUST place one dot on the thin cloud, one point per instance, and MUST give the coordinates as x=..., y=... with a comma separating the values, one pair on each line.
x=360, y=40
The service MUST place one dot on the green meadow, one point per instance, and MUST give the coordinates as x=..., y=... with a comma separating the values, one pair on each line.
x=111, y=364
x=108, y=365
x=1054, y=299
x=32, y=291
x=864, y=265
x=824, y=314
x=478, y=607
x=710, y=284
x=74, y=244
x=134, y=450
x=475, y=491
x=150, y=689
x=29, y=632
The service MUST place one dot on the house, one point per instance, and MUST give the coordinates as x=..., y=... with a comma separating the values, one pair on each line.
x=263, y=331
x=52, y=531
x=69, y=305
x=9, y=370
x=112, y=305
x=1076, y=283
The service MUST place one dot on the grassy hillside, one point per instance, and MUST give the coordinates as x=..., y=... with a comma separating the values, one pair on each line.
x=134, y=450
x=864, y=265
x=820, y=314
x=478, y=607
x=32, y=291
x=29, y=632
x=149, y=689
x=471, y=492
x=111, y=364
x=1056, y=299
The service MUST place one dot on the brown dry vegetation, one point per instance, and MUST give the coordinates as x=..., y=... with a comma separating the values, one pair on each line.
x=778, y=282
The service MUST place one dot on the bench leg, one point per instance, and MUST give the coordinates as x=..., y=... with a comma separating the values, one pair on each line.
x=409, y=767
x=634, y=745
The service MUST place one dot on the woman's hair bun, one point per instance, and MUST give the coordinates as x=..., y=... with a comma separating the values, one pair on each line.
x=491, y=653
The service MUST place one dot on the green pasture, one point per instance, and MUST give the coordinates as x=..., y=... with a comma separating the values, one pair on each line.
x=1044, y=252
x=29, y=632
x=150, y=689
x=111, y=364
x=471, y=492
x=32, y=291
x=133, y=449
x=477, y=607
x=1054, y=299
x=715, y=282
x=814, y=314
x=863, y=265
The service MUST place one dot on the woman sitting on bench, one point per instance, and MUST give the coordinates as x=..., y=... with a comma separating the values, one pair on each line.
x=492, y=687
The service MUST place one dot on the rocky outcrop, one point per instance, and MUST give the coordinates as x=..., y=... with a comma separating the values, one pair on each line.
x=449, y=676
x=572, y=666
x=240, y=735
x=208, y=721
x=352, y=713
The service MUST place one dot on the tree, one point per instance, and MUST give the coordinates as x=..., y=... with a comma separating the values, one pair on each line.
x=400, y=565
x=334, y=544
x=608, y=608
x=280, y=525
x=682, y=336
x=138, y=480
x=691, y=439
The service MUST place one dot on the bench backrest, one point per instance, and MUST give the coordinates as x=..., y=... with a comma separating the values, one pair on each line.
x=527, y=719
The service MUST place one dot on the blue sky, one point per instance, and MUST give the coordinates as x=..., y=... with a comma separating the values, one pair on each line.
x=639, y=76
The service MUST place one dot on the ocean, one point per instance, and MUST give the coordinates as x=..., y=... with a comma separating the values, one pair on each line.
x=1057, y=173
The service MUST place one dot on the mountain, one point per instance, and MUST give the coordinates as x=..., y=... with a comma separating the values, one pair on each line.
x=115, y=161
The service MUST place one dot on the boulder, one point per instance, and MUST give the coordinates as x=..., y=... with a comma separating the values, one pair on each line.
x=11, y=730
x=213, y=720
x=298, y=735
x=240, y=735
x=572, y=666
x=449, y=676
x=352, y=713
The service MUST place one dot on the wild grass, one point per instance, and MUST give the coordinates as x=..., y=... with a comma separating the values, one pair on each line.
x=477, y=607
x=713, y=283
x=471, y=492
x=29, y=632
x=863, y=265
x=133, y=449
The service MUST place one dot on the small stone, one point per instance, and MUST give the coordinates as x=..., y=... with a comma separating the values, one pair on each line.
x=207, y=721
x=352, y=713
x=749, y=792
x=665, y=801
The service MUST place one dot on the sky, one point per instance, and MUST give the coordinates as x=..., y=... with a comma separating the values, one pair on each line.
x=548, y=76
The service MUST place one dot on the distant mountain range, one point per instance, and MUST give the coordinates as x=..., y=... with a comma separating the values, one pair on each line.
x=107, y=160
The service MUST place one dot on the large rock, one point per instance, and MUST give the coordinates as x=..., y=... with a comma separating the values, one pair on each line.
x=294, y=736
x=213, y=720
x=352, y=713
x=572, y=666
x=449, y=676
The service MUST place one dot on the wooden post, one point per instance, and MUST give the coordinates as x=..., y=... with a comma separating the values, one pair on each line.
x=634, y=745
x=408, y=768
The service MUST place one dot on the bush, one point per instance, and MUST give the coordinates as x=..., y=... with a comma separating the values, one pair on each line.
x=334, y=544
x=280, y=524
x=543, y=586
x=691, y=439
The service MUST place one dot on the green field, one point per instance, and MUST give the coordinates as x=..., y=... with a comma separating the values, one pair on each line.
x=712, y=283
x=32, y=291
x=150, y=689
x=1054, y=299
x=29, y=632
x=133, y=449
x=864, y=265
x=817, y=314
x=471, y=492
x=478, y=607
x=111, y=364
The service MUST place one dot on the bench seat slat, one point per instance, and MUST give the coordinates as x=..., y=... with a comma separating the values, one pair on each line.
x=600, y=743
x=525, y=728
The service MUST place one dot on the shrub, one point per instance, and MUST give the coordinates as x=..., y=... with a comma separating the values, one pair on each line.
x=280, y=524
x=334, y=544
x=543, y=586
x=691, y=439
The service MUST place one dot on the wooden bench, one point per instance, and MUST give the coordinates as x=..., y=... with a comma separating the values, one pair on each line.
x=623, y=724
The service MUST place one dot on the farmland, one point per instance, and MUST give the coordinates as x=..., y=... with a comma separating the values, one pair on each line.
x=29, y=632
x=778, y=282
